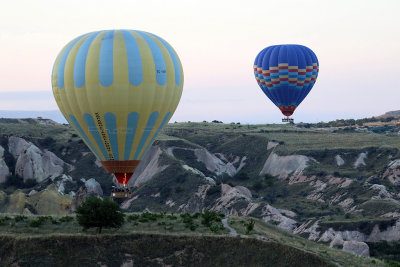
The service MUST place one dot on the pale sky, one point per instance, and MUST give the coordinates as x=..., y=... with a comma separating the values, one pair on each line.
x=357, y=43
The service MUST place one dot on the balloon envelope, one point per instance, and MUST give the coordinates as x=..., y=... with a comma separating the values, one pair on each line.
x=286, y=74
x=118, y=88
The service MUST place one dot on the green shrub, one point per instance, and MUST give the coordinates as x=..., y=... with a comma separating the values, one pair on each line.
x=196, y=215
x=269, y=180
x=392, y=263
x=249, y=226
x=39, y=221
x=165, y=192
x=178, y=189
x=20, y=218
x=66, y=219
x=214, y=190
x=210, y=216
x=243, y=176
x=151, y=216
x=18, y=182
x=47, y=141
x=172, y=217
x=193, y=227
x=216, y=227
x=133, y=217
x=4, y=219
x=257, y=186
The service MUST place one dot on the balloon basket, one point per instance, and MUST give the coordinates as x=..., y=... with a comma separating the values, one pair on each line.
x=121, y=193
x=287, y=119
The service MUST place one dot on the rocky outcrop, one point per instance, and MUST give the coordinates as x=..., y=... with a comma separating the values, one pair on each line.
x=335, y=238
x=196, y=202
x=317, y=193
x=309, y=227
x=93, y=188
x=148, y=167
x=4, y=171
x=16, y=203
x=357, y=248
x=392, y=172
x=339, y=182
x=3, y=198
x=62, y=182
x=282, y=166
x=361, y=160
x=17, y=146
x=272, y=145
x=44, y=202
x=331, y=235
x=197, y=172
x=50, y=202
x=339, y=160
x=33, y=163
x=280, y=216
x=390, y=234
x=381, y=192
x=77, y=200
x=230, y=195
x=215, y=163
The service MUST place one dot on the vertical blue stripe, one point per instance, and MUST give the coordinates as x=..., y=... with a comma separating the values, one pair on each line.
x=174, y=59
x=106, y=68
x=95, y=133
x=63, y=60
x=135, y=68
x=131, y=125
x=80, y=61
x=164, y=121
x=149, y=127
x=161, y=71
x=83, y=135
x=111, y=125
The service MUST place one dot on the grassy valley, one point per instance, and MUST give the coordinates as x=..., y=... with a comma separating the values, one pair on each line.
x=319, y=182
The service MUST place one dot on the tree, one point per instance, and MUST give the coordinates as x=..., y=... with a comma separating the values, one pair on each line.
x=249, y=226
x=94, y=212
x=257, y=185
x=242, y=176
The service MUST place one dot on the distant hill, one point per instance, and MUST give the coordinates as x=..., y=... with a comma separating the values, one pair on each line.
x=38, y=120
x=394, y=113
x=54, y=115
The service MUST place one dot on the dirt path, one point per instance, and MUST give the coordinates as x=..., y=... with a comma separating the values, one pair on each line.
x=232, y=232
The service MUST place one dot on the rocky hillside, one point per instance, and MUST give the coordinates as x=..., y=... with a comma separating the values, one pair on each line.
x=395, y=114
x=339, y=188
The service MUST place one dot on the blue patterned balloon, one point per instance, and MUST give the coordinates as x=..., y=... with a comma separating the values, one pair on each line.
x=286, y=74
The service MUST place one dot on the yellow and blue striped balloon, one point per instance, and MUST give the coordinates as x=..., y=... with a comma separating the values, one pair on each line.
x=118, y=88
